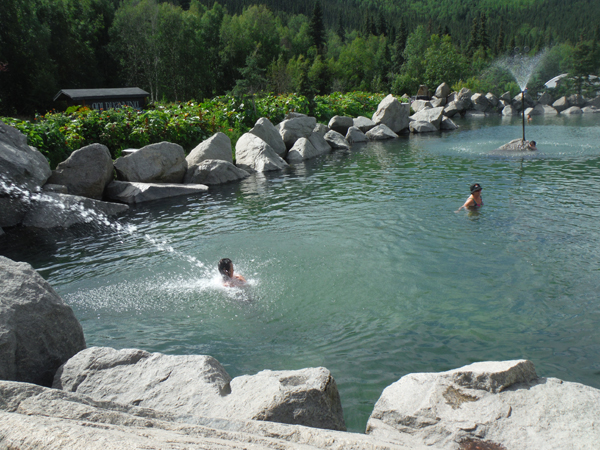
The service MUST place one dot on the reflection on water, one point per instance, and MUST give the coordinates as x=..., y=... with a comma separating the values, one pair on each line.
x=358, y=262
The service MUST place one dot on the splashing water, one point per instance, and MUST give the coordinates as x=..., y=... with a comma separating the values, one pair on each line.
x=522, y=66
x=91, y=216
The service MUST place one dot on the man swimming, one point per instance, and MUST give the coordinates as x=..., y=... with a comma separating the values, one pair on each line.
x=229, y=278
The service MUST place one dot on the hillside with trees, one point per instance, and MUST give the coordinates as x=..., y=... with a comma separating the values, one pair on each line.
x=193, y=49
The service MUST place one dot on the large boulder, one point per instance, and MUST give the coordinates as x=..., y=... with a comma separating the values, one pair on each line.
x=442, y=91
x=537, y=110
x=517, y=101
x=480, y=102
x=561, y=104
x=199, y=386
x=545, y=99
x=448, y=124
x=20, y=165
x=255, y=155
x=450, y=110
x=13, y=209
x=336, y=140
x=295, y=128
x=418, y=105
x=38, y=331
x=319, y=143
x=46, y=419
x=577, y=100
x=421, y=126
x=435, y=102
x=214, y=171
x=393, y=114
x=218, y=146
x=86, y=172
x=131, y=192
x=492, y=99
x=303, y=149
x=495, y=405
x=354, y=136
x=321, y=129
x=571, y=110
x=590, y=109
x=432, y=115
x=53, y=210
x=508, y=110
x=163, y=162
x=549, y=110
x=264, y=129
x=595, y=102
x=381, y=133
x=363, y=123
x=341, y=124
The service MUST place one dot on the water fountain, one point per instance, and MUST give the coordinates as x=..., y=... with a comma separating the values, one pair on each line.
x=522, y=67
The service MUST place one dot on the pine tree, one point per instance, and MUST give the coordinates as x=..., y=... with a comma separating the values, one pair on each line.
x=473, y=44
x=340, y=30
x=316, y=29
x=483, y=36
x=500, y=41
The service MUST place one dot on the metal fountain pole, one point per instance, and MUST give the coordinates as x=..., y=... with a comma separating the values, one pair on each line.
x=523, y=108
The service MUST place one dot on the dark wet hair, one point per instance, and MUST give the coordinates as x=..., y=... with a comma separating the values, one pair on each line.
x=532, y=143
x=475, y=187
x=224, y=266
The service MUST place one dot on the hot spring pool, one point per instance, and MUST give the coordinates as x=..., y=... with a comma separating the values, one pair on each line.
x=358, y=262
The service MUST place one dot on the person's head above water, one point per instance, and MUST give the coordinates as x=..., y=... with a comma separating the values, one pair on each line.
x=475, y=188
x=226, y=268
x=532, y=145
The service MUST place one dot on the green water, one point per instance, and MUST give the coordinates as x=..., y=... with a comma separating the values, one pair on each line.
x=358, y=262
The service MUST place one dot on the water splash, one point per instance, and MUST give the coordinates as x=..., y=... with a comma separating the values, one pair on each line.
x=521, y=66
x=91, y=216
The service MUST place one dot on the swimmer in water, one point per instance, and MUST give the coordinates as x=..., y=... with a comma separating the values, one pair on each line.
x=229, y=278
x=474, y=201
x=531, y=146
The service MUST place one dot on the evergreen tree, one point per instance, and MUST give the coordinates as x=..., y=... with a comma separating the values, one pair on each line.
x=500, y=41
x=473, y=44
x=340, y=30
x=317, y=29
x=483, y=36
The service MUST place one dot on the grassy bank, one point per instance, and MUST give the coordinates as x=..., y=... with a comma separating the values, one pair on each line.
x=58, y=134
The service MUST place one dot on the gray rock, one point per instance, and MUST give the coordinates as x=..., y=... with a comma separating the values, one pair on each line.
x=20, y=164
x=450, y=110
x=364, y=124
x=595, y=102
x=480, y=103
x=452, y=97
x=264, y=129
x=293, y=129
x=490, y=402
x=302, y=150
x=393, y=114
x=47, y=419
x=336, y=140
x=214, y=171
x=381, y=133
x=433, y=116
x=577, y=100
x=435, y=102
x=442, y=91
x=421, y=126
x=418, y=105
x=58, y=188
x=537, y=110
x=38, y=331
x=517, y=101
x=354, y=136
x=319, y=143
x=506, y=97
x=423, y=91
x=13, y=210
x=474, y=114
x=86, y=172
x=589, y=109
x=516, y=145
x=545, y=99
x=508, y=111
x=52, y=210
x=561, y=104
x=492, y=99
x=549, y=110
x=255, y=155
x=464, y=93
x=463, y=103
x=571, y=110
x=163, y=162
x=294, y=115
x=131, y=192
x=198, y=385
x=341, y=124
x=448, y=124
x=321, y=129
x=218, y=146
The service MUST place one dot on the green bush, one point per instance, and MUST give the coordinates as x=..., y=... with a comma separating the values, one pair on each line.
x=58, y=134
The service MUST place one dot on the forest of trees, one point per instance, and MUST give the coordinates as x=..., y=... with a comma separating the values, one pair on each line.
x=193, y=49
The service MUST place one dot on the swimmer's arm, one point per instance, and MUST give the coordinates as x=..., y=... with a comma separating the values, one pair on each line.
x=240, y=278
x=468, y=203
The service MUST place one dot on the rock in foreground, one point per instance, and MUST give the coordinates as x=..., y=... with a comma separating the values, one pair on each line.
x=132, y=192
x=38, y=331
x=199, y=385
x=495, y=402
